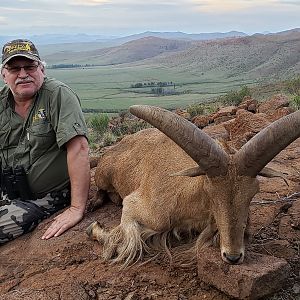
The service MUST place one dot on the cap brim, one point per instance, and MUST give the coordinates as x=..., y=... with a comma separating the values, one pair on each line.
x=32, y=57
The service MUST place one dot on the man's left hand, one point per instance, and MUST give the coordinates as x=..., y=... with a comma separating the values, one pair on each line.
x=63, y=222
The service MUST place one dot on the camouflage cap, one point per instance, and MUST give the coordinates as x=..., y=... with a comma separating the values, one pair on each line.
x=19, y=47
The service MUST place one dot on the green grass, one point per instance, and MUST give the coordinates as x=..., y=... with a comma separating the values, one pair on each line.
x=109, y=87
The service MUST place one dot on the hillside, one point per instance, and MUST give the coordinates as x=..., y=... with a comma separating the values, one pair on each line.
x=252, y=57
x=128, y=52
x=184, y=36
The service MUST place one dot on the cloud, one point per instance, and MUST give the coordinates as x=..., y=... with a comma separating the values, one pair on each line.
x=289, y=2
x=3, y=20
x=128, y=3
x=115, y=17
x=220, y=6
x=90, y=2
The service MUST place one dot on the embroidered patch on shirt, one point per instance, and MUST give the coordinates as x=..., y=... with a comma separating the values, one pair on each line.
x=41, y=115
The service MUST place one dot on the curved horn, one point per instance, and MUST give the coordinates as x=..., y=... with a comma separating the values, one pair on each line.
x=197, y=144
x=265, y=145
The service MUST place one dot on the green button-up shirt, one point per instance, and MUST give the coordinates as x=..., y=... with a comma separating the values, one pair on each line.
x=37, y=143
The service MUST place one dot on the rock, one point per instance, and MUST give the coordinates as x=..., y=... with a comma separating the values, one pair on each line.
x=223, y=119
x=270, y=106
x=279, y=113
x=183, y=113
x=224, y=111
x=259, y=275
x=245, y=126
x=286, y=230
x=217, y=131
x=278, y=248
x=131, y=296
x=289, y=224
x=296, y=288
x=294, y=212
x=248, y=104
x=201, y=121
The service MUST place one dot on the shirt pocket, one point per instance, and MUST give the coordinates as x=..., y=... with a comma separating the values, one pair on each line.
x=41, y=137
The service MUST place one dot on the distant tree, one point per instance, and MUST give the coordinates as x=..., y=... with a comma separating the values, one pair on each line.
x=138, y=85
x=157, y=91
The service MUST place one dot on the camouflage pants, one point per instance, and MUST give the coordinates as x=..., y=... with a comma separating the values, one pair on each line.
x=18, y=217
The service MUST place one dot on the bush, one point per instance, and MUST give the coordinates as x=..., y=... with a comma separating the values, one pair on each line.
x=296, y=102
x=245, y=91
x=196, y=109
x=129, y=127
x=293, y=86
x=101, y=134
x=99, y=123
x=108, y=138
x=235, y=97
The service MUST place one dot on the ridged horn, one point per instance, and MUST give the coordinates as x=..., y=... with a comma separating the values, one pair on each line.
x=197, y=144
x=265, y=145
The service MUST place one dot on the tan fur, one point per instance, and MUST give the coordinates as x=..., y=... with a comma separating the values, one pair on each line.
x=157, y=206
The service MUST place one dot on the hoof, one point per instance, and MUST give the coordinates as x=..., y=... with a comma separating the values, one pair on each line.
x=92, y=229
x=96, y=202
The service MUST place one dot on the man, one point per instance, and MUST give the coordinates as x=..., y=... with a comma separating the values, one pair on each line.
x=43, y=147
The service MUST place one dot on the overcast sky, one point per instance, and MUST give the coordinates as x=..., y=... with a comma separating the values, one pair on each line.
x=123, y=17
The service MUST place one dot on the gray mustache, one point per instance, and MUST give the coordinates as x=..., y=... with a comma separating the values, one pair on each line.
x=23, y=81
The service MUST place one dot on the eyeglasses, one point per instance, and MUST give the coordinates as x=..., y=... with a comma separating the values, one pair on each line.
x=17, y=69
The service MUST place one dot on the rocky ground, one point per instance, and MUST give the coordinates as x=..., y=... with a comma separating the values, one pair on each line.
x=70, y=266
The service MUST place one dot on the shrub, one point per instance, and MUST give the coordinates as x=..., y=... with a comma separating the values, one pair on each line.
x=245, y=91
x=129, y=127
x=99, y=123
x=108, y=139
x=293, y=86
x=296, y=102
x=235, y=97
x=196, y=109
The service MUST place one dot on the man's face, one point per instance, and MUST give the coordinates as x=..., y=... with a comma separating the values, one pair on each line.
x=26, y=81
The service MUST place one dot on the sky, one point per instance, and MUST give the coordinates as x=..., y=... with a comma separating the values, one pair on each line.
x=125, y=17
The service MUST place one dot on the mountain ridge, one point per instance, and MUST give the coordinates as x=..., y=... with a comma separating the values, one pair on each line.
x=45, y=39
x=253, y=56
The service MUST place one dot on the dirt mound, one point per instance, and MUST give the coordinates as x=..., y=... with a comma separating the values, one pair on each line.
x=70, y=267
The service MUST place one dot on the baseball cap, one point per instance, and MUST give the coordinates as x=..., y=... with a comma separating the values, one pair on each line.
x=19, y=47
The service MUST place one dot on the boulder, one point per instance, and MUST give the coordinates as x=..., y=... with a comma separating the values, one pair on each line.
x=245, y=126
x=248, y=104
x=259, y=275
x=183, y=113
x=276, y=102
x=224, y=111
x=217, y=131
x=201, y=121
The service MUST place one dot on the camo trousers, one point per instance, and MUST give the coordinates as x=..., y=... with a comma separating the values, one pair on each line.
x=18, y=217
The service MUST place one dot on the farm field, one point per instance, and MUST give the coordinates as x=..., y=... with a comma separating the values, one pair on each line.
x=109, y=87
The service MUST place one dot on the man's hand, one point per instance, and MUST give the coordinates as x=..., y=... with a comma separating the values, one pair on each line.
x=63, y=222
x=77, y=159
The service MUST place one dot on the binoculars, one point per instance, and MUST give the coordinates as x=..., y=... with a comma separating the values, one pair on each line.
x=14, y=183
